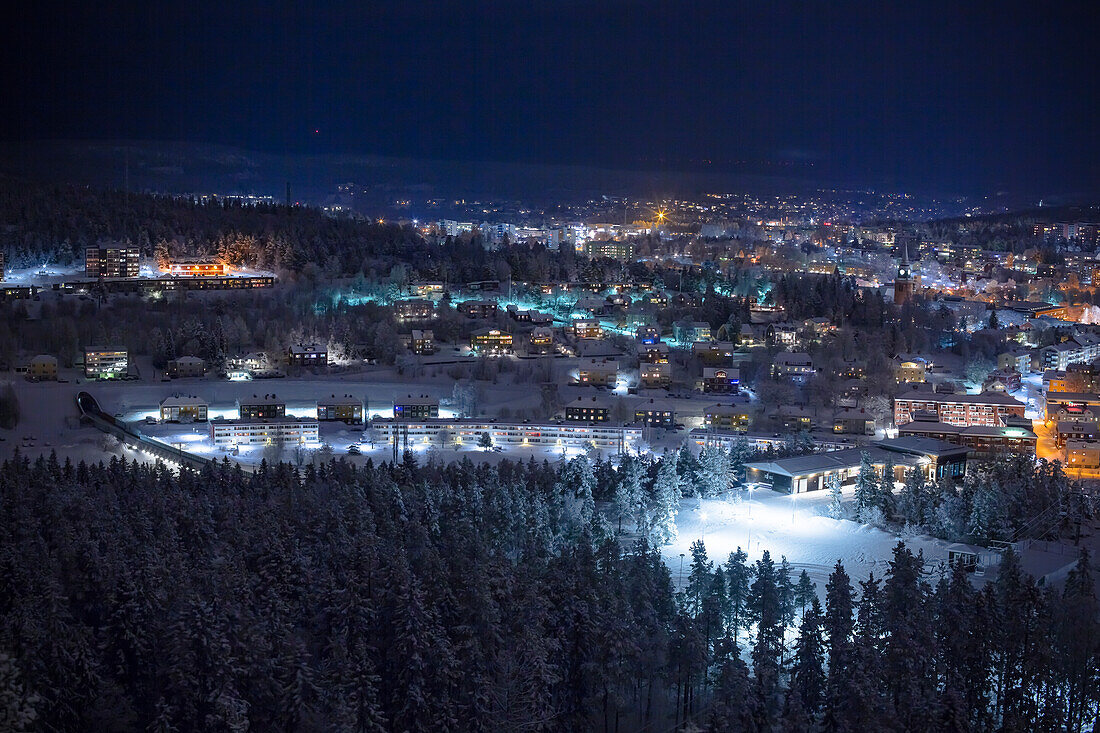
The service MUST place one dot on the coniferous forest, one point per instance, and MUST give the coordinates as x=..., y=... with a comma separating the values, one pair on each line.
x=484, y=598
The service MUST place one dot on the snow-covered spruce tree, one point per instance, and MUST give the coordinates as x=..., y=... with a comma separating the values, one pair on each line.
x=885, y=498
x=738, y=577
x=713, y=476
x=867, y=487
x=629, y=494
x=666, y=502
x=913, y=498
x=836, y=499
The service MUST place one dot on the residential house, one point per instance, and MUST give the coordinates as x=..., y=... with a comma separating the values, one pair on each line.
x=726, y=417
x=586, y=328
x=655, y=375
x=655, y=413
x=413, y=407
x=42, y=368
x=259, y=407
x=541, y=340
x=588, y=409
x=478, y=308
x=853, y=421
x=308, y=355
x=719, y=380
x=185, y=366
x=690, y=332
x=794, y=365
x=491, y=342
x=347, y=409
x=598, y=372
x=183, y=408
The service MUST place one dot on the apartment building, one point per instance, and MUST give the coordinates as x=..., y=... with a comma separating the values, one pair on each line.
x=271, y=431
x=347, y=409
x=183, y=408
x=965, y=410
x=258, y=407
x=491, y=341
x=106, y=362
x=112, y=261
x=420, y=407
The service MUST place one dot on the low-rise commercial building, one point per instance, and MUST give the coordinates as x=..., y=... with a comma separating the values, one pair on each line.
x=720, y=380
x=197, y=267
x=935, y=458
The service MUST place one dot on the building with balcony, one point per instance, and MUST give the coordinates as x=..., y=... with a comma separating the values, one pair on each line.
x=106, y=362
x=287, y=431
x=655, y=413
x=734, y=418
x=112, y=261
x=413, y=310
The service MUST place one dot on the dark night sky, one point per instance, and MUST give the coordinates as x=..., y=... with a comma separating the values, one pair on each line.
x=919, y=95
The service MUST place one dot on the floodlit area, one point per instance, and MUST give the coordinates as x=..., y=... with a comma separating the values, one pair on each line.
x=796, y=527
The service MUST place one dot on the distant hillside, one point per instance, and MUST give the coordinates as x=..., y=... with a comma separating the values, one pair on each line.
x=173, y=167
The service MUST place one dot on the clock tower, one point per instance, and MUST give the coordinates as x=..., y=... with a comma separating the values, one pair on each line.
x=903, y=283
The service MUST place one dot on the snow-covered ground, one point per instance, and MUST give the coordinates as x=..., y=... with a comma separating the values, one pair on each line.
x=795, y=527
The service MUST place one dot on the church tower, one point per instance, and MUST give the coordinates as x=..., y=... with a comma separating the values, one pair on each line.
x=903, y=283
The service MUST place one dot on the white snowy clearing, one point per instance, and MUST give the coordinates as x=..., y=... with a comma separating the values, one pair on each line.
x=795, y=527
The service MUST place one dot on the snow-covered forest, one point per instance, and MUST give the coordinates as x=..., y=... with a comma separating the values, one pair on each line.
x=474, y=597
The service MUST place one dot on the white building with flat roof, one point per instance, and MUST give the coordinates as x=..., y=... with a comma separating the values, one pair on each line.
x=274, y=431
